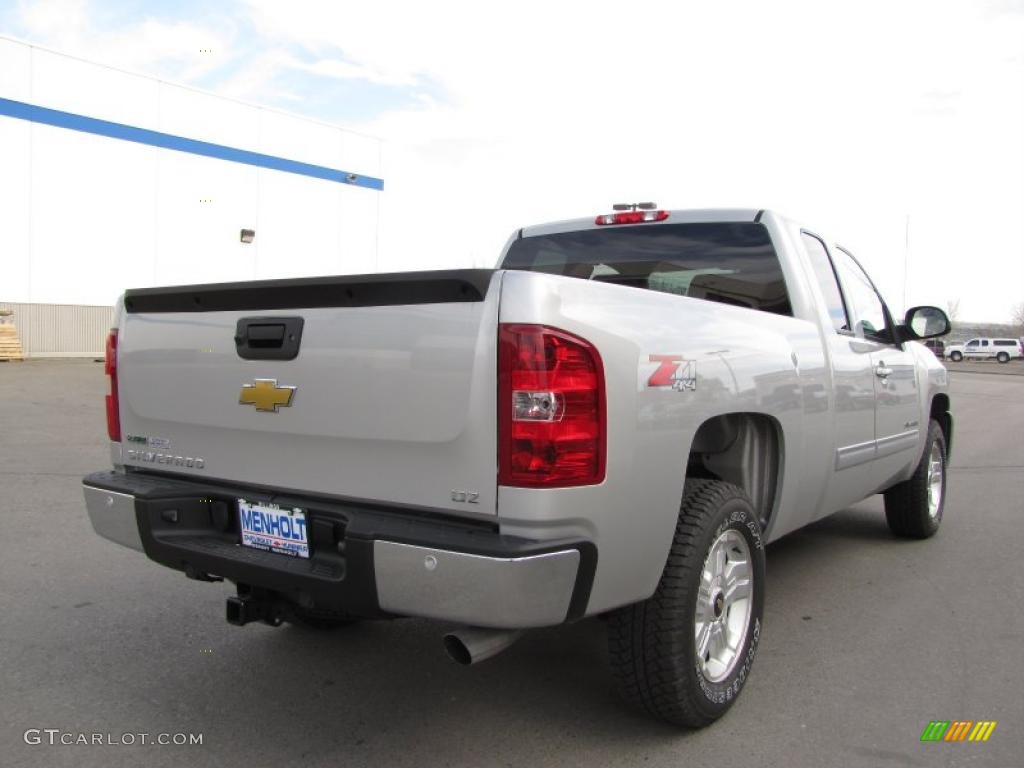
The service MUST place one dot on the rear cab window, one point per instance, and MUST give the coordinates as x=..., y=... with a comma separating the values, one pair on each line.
x=729, y=263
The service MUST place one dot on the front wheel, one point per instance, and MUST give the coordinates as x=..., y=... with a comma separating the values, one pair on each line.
x=684, y=654
x=956, y=357
x=1003, y=357
x=914, y=508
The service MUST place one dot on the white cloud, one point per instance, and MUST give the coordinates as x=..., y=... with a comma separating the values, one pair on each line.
x=344, y=70
x=60, y=21
x=181, y=50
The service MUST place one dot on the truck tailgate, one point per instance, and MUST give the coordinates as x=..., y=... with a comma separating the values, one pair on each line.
x=394, y=386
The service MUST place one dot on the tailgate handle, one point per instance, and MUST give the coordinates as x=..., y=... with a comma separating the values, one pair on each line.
x=265, y=335
x=268, y=338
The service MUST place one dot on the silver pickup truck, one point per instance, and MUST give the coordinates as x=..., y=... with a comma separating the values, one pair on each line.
x=614, y=422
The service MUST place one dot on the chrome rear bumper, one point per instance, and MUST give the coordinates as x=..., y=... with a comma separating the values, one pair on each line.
x=515, y=592
x=112, y=515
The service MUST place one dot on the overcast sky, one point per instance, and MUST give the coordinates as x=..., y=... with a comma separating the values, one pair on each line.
x=852, y=117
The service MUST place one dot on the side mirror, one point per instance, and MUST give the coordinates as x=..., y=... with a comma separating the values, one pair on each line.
x=925, y=323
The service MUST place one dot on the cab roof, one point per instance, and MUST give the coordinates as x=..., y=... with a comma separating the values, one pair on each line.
x=676, y=216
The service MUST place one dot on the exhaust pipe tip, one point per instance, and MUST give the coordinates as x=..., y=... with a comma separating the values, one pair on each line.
x=471, y=645
x=457, y=650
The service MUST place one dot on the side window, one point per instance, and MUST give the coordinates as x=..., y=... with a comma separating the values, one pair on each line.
x=864, y=304
x=984, y=342
x=826, y=277
x=972, y=343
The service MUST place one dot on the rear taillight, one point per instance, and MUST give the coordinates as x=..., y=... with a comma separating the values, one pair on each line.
x=113, y=413
x=551, y=408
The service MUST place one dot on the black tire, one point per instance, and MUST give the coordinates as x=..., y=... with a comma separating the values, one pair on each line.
x=1002, y=357
x=907, y=507
x=321, y=620
x=652, y=644
x=956, y=357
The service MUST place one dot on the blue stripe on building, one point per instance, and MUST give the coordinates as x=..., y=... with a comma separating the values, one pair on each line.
x=71, y=121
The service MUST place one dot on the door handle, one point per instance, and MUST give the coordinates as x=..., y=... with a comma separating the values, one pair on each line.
x=882, y=371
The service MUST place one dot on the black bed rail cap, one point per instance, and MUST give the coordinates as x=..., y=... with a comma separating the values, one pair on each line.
x=376, y=290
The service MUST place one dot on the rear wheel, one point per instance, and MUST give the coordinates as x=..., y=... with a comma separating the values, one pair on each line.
x=684, y=654
x=914, y=508
x=1003, y=357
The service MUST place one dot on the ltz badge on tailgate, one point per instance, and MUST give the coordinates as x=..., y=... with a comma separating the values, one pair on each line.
x=266, y=395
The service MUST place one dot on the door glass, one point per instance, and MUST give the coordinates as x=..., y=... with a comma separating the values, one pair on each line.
x=862, y=300
x=826, y=276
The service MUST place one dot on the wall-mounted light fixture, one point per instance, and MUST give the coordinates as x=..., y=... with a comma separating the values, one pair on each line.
x=247, y=235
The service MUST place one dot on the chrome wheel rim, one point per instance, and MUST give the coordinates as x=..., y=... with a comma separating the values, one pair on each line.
x=725, y=601
x=936, y=477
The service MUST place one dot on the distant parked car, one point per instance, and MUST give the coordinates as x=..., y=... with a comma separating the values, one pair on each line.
x=937, y=346
x=1002, y=350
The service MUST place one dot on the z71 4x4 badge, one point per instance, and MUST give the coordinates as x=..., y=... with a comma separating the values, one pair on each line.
x=674, y=371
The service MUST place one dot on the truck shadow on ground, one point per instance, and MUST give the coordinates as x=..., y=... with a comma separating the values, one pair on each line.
x=387, y=688
x=863, y=522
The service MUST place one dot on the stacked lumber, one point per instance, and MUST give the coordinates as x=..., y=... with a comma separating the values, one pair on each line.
x=10, y=344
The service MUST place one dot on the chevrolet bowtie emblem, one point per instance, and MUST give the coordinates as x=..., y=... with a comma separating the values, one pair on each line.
x=266, y=395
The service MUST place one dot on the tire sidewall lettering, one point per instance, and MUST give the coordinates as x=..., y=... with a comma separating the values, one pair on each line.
x=740, y=519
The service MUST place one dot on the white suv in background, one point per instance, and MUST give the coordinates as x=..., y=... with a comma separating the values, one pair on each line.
x=1002, y=350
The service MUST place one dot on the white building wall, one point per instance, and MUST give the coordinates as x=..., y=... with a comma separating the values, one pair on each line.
x=82, y=217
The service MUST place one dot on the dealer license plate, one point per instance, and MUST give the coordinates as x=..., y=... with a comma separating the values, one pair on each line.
x=273, y=528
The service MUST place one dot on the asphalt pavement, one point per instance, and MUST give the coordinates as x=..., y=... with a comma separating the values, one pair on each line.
x=1009, y=368
x=866, y=638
